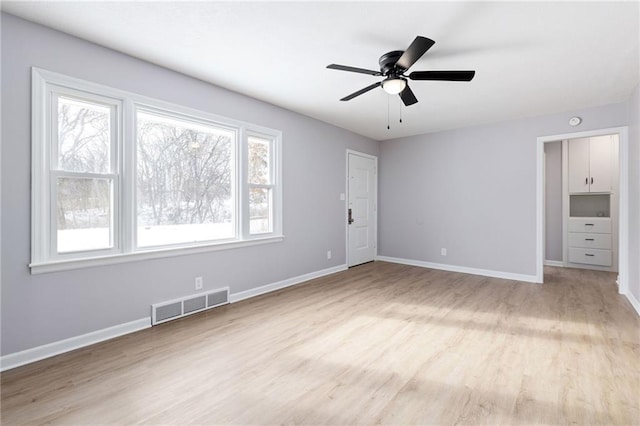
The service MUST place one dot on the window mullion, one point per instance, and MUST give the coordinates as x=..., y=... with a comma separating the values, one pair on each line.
x=82, y=175
x=116, y=188
x=53, y=215
x=261, y=185
x=242, y=202
x=52, y=160
x=128, y=172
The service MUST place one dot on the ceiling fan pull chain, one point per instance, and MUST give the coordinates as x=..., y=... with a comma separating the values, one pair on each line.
x=400, y=106
x=388, y=107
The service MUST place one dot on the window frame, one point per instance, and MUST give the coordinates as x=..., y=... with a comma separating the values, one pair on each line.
x=274, y=179
x=56, y=172
x=44, y=256
x=202, y=120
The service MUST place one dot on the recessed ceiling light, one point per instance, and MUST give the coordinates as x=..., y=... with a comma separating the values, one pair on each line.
x=574, y=121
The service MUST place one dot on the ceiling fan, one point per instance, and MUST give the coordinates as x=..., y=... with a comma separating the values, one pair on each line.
x=393, y=66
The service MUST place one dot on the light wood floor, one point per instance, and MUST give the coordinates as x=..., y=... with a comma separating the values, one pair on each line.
x=379, y=343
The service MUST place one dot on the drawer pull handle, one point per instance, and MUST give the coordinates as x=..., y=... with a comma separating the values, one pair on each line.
x=588, y=224
x=590, y=255
x=589, y=239
x=591, y=181
x=586, y=181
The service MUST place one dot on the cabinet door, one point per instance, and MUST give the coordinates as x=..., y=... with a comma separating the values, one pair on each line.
x=600, y=157
x=579, y=165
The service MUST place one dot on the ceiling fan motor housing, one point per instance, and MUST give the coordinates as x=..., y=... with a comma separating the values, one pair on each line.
x=388, y=62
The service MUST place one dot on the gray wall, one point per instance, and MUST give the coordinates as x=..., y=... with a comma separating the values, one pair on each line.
x=634, y=193
x=553, y=201
x=45, y=308
x=472, y=191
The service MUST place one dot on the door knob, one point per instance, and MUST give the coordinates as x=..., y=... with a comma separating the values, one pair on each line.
x=350, y=220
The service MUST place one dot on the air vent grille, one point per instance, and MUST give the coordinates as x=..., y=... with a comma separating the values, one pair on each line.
x=177, y=308
x=217, y=298
x=195, y=304
x=170, y=311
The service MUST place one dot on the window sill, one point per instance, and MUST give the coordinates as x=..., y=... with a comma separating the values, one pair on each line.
x=88, y=262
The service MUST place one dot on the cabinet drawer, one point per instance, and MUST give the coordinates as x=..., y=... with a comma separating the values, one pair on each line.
x=590, y=256
x=596, y=241
x=592, y=225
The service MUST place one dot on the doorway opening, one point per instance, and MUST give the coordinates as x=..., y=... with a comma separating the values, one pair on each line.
x=594, y=210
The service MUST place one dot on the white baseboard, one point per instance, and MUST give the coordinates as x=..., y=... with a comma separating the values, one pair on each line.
x=236, y=297
x=634, y=302
x=558, y=263
x=463, y=269
x=56, y=348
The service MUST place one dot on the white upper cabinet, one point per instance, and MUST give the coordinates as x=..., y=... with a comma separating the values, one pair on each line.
x=600, y=159
x=579, y=165
x=590, y=162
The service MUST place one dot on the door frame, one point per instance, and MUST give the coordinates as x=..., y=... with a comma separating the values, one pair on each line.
x=375, y=203
x=623, y=199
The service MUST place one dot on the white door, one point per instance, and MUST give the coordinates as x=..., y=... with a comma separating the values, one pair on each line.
x=361, y=214
x=579, y=165
x=600, y=159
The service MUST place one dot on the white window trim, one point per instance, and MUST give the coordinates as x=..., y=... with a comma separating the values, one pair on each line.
x=42, y=260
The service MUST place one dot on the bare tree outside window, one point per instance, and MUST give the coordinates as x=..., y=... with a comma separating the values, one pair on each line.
x=83, y=136
x=184, y=181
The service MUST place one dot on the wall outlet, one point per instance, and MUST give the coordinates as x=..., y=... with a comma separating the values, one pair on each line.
x=443, y=251
x=199, y=283
x=328, y=254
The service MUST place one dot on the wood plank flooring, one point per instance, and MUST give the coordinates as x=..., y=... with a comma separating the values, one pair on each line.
x=378, y=344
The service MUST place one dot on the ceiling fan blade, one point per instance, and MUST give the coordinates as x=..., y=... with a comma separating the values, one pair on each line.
x=443, y=75
x=361, y=91
x=353, y=69
x=408, y=97
x=414, y=52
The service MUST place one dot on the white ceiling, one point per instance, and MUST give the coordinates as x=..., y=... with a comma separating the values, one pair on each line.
x=530, y=58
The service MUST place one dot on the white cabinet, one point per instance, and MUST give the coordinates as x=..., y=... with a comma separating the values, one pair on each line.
x=590, y=241
x=579, y=165
x=590, y=202
x=590, y=161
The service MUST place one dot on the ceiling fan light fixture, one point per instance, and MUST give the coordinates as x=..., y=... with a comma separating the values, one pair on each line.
x=393, y=86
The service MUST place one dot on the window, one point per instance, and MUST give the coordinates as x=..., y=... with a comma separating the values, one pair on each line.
x=260, y=179
x=83, y=173
x=185, y=181
x=118, y=177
